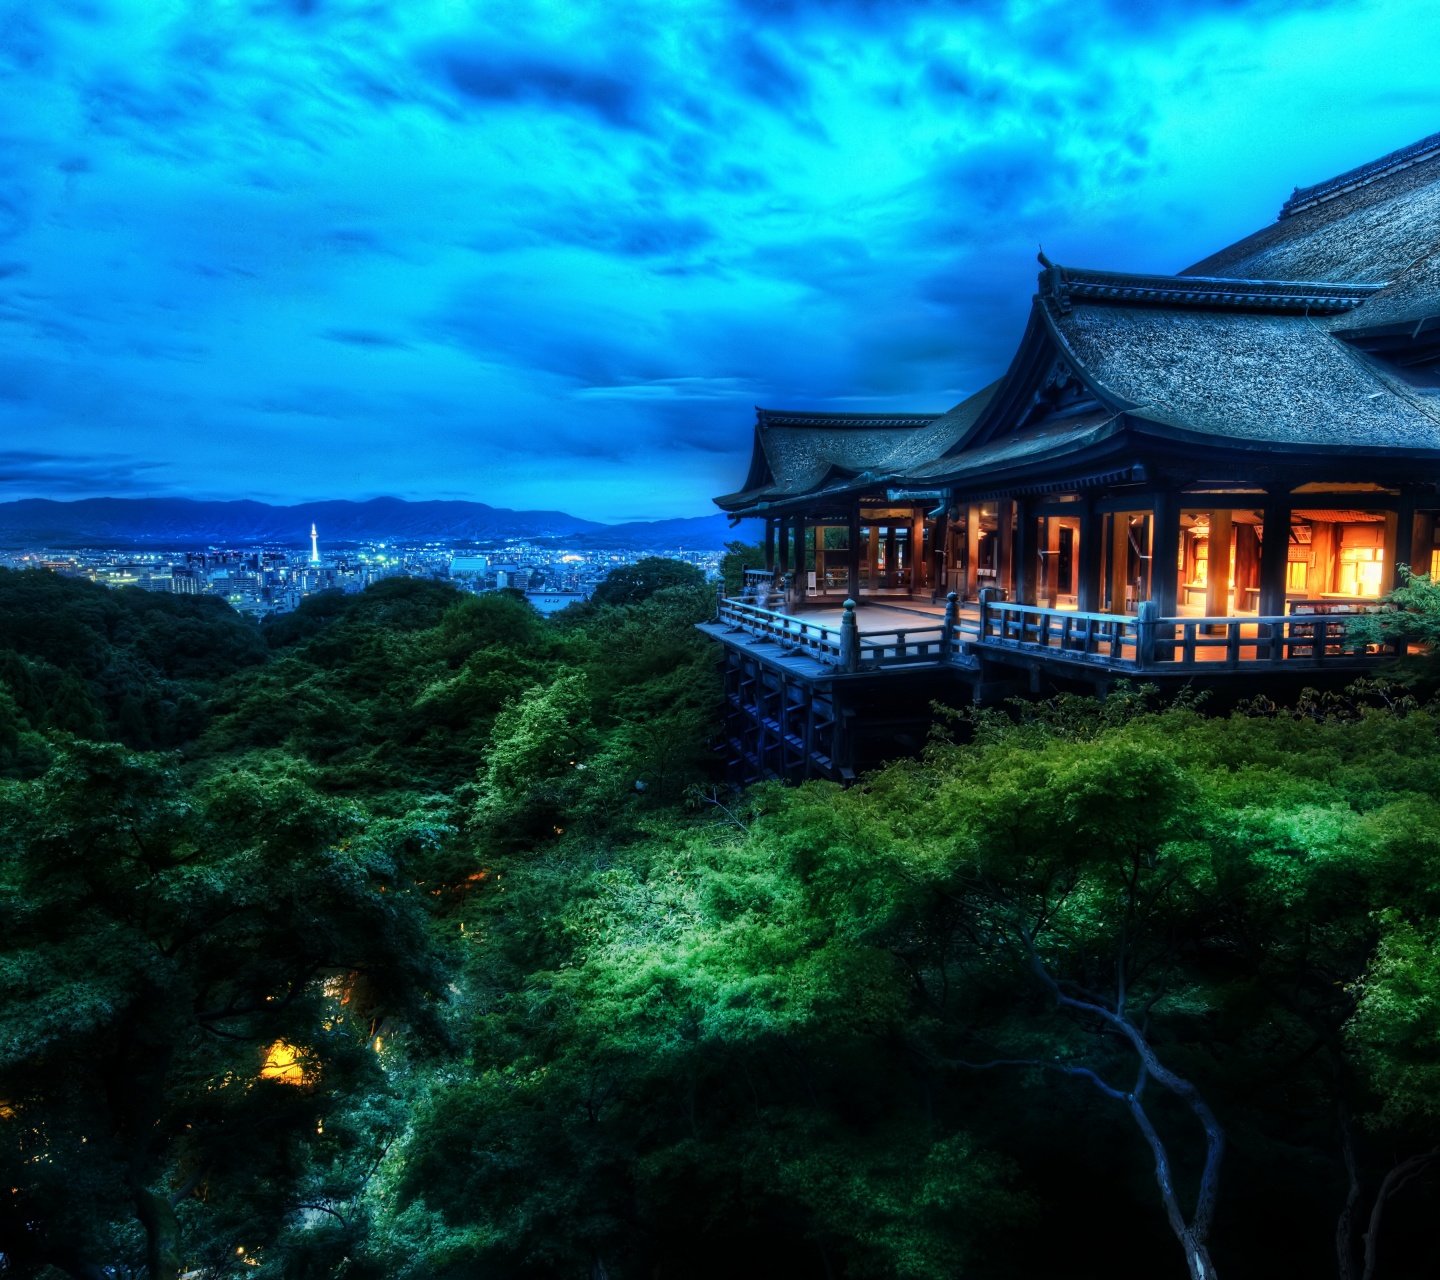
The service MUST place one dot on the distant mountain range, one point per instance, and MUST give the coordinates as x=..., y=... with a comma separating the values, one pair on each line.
x=177, y=523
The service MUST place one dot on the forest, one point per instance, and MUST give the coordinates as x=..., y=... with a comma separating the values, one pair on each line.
x=414, y=935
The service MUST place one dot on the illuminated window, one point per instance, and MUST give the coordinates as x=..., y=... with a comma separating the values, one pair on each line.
x=1361, y=571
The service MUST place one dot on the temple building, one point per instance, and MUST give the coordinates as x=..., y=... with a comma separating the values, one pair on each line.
x=1205, y=477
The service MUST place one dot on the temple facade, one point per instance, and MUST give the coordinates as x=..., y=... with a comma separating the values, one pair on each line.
x=1205, y=478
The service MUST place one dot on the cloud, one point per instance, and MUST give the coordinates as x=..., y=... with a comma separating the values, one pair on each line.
x=549, y=255
x=497, y=75
x=61, y=473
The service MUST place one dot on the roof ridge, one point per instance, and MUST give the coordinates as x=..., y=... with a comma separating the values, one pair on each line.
x=765, y=418
x=1065, y=284
x=1303, y=198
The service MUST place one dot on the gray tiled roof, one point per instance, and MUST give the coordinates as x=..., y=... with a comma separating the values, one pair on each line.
x=804, y=450
x=1367, y=230
x=1275, y=378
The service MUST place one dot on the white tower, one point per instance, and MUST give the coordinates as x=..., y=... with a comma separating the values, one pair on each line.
x=314, y=545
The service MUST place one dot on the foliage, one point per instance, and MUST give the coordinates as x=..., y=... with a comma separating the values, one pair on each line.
x=440, y=951
x=131, y=665
x=738, y=557
x=636, y=583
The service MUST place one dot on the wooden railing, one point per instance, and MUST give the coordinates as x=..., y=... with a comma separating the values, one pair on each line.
x=1148, y=642
x=814, y=639
x=1110, y=639
x=845, y=647
x=1121, y=642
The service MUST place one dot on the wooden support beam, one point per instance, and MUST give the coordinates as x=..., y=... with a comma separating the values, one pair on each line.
x=1165, y=552
x=1092, y=557
x=972, y=551
x=852, y=552
x=940, y=556
x=1005, y=560
x=1027, y=553
x=801, y=561
x=1274, y=553
x=917, y=551
x=892, y=556
x=784, y=528
x=1399, y=538
x=1217, y=583
x=769, y=545
x=872, y=572
x=1119, y=560
x=1422, y=542
x=1050, y=565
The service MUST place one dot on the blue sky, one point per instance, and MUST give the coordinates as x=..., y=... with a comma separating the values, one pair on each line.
x=547, y=254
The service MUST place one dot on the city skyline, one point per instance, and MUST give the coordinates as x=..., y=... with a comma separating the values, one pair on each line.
x=302, y=251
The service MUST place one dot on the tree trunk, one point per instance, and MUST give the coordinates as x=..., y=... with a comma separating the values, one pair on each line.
x=162, y=1234
x=1345, y=1226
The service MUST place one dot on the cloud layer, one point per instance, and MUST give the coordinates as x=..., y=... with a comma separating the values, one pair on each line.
x=544, y=254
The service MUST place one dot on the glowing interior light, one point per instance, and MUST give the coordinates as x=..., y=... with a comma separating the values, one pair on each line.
x=282, y=1063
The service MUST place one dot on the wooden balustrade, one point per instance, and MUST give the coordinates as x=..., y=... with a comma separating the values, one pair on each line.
x=1121, y=642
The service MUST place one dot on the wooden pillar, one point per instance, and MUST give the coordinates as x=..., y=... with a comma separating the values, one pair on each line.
x=1092, y=556
x=1027, y=552
x=1399, y=538
x=872, y=576
x=1324, y=549
x=1247, y=564
x=917, y=551
x=801, y=565
x=852, y=553
x=784, y=529
x=1422, y=542
x=939, y=560
x=1217, y=583
x=891, y=555
x=1274, y=554
x=1165, y=553
x=1005, y=557
x=1119, y=560
x=769, y=545
x=1050, y=585
x=820, y=559
x=972, y=551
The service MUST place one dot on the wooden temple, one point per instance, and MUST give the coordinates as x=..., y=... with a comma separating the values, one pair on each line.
x=1202, y=478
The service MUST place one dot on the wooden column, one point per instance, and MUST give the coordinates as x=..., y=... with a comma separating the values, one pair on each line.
x=1050, y=585
x=1217, y=583
x=1165, y=553
x=820, y=559
x=852, y=553
x=783, y=526
x=1274, y=554
x=1027, y=552
x=1422, y=542
x=940, y=555
x=872, y=576
x=1399, y=538
x=1092, y=556
x=972, y=551
x=891, y=555
x=800, y=565
x=1005, y=557
x=917, y=551
x=1247, y=563
x=769, y=545
x=1324, y=549
x=1119, y=560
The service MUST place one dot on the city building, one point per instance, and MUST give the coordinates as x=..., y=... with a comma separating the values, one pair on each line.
x=1203, y=478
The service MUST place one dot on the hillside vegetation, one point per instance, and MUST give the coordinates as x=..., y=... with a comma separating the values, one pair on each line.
x=414, y=935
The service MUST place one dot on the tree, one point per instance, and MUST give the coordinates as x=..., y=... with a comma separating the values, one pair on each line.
x=190, y=984
x=636, y=583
